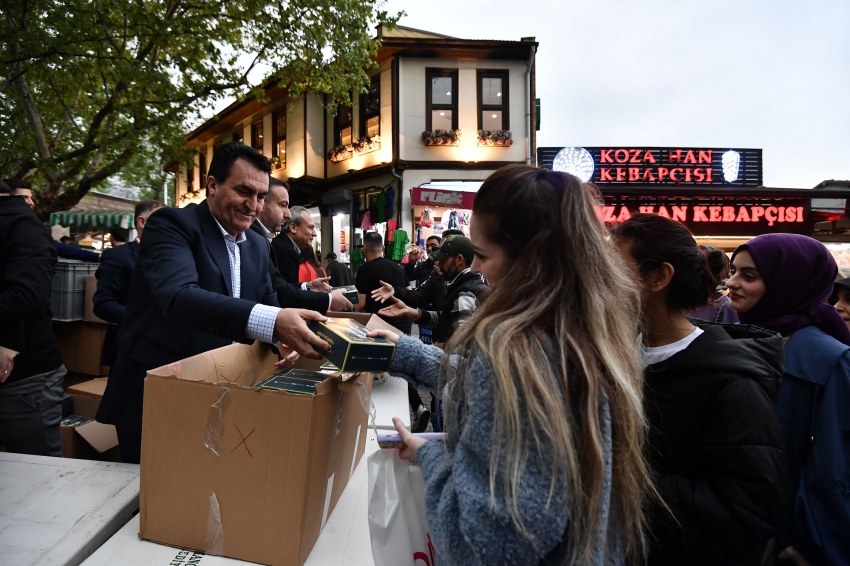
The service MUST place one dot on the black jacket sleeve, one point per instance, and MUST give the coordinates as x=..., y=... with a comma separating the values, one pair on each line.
x=428, y=293
x=27, y=279
x=293, y=296
x=737, y=503
x=113, y=278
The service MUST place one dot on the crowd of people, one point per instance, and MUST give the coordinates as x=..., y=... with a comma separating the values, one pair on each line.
x=605, y=400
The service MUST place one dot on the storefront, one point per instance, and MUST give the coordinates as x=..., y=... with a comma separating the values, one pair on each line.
x=440, y=206
x=717, y=193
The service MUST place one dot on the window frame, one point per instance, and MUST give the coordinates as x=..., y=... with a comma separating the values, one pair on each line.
x=257, y=139
x=364, y=98
x=190, y=177
x=505, y=107
x=338, y=126
x=202, y=169
x=239, y=135
x=431, y=73
x=277, y=137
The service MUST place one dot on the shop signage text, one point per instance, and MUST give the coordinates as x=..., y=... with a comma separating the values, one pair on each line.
x=436, y=197
x=648, y=166
x=711, y=214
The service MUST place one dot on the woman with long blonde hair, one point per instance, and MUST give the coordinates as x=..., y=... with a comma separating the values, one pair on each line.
x=543, y=459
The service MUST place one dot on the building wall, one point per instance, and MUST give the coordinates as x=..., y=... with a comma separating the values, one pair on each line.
x=412, y=111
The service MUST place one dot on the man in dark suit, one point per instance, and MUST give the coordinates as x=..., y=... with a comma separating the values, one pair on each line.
x=201, y=282
x=113, y=281
x=298, y=232
x=275, y=213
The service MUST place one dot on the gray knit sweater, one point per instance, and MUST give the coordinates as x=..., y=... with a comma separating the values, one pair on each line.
x=465, y=528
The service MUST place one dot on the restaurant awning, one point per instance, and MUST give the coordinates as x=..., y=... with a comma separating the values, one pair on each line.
x=93, y=218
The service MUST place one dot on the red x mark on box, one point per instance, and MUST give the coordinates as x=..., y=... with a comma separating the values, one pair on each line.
x=244, y=440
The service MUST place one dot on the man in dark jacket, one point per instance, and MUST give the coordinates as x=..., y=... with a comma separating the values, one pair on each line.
x=339, y=273
x=201, y=282
x=113, y=281
x=267, y=224
x=716, y=447
x=464, y=290
x=297, y=233
x=31, y=388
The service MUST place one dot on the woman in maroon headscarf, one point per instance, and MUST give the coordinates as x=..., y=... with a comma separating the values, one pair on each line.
x=781, y=282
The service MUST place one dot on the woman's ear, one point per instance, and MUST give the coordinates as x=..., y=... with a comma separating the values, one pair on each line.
x=660, y=277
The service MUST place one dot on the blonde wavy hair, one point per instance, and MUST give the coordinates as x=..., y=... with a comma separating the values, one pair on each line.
x=565, y=314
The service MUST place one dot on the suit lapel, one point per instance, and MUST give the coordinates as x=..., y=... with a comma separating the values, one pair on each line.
x=215, y=243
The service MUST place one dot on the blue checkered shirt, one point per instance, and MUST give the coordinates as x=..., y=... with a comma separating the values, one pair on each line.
x=262, y=317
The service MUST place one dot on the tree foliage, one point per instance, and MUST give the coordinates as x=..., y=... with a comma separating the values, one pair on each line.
x=88, y=84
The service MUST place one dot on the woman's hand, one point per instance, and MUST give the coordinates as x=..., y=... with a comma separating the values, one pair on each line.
x=791, y=554
x=288, y=356
x=412, y=443
x=384, y=334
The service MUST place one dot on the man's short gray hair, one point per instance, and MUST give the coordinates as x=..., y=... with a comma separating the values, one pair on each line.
x=297, y=217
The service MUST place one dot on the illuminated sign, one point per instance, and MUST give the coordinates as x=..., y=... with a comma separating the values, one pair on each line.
x=740, y=216
x=440, y=197
x=682, y=166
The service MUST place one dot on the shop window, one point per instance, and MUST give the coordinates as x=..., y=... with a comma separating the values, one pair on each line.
x=441, y=99
x=493, y=100
x=370, y=109
x=257, y=135
x=202, y=168
x=239, y=135
x=342, y=124
x=279, y=137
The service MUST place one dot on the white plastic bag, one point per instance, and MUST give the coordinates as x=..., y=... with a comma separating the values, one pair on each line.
x=397, y=523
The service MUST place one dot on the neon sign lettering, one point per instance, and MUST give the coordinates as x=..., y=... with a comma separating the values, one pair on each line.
x=710, y=214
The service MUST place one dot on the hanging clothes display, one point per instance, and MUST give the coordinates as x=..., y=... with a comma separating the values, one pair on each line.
x=367, y=221
x=389, y=249
x=400, y=240
x=382, y=207
x=465, y=218
x=391, y=226
x=373, y=209
x=425, y=219
x=356, y=258
x=390, y=199
x=452, y=223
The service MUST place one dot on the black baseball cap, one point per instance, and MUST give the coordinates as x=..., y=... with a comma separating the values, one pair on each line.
x=330, y=255
x=454, y=245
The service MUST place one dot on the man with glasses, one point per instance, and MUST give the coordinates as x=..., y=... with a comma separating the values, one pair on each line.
x=298, y=232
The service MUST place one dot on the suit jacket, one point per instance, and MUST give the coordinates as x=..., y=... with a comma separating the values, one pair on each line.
x=288, y=258
x=340, y=274
x=113, y=287
x=181, y=303
x=289, y=295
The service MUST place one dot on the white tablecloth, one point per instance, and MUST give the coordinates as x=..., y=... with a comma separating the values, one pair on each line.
x=57, y=511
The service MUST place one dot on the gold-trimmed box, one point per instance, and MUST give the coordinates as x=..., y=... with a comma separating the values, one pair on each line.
x=351, y=350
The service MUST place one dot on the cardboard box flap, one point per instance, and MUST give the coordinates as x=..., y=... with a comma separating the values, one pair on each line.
x=370, y=321
x=91, y=388
x=101, y=436
x=234, y=364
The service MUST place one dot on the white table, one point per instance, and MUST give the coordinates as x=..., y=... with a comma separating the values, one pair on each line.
x=344, y=540
x=390, y=401
x=58, y=511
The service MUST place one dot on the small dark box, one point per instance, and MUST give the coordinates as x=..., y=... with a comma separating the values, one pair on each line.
x=351, y=350
x=350, y=293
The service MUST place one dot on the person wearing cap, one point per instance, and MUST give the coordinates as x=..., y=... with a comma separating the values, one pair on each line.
x=841, y=299
x=464, y=290
x=339, y=273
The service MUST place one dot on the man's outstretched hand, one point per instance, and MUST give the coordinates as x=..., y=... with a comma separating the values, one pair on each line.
x=383, y=293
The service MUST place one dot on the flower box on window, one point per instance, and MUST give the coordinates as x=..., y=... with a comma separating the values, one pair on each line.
x=275, y=162
x=495, y=138
x=365, y=144
x=442, y=137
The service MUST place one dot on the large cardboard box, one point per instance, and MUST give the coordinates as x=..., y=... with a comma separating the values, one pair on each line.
x=80, y=344
x=83, y=437
x=88, y=311
x=248, y=473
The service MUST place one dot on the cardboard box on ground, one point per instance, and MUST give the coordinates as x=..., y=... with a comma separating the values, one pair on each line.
x=244, y=472
x=80, y=344
x=83, y=437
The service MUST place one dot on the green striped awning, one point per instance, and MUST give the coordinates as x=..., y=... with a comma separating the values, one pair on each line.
x=93, y=218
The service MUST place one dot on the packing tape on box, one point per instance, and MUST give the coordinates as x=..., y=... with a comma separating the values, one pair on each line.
x=214, y=434
x=215, y=531
x=368, y=406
